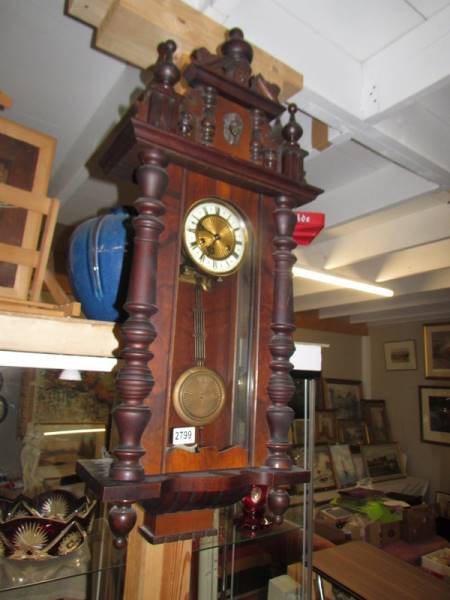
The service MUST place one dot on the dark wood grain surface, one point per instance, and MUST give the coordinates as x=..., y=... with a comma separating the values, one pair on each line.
x=372, y=574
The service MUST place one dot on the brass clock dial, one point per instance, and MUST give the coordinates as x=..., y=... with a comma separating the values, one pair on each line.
x=215, y=236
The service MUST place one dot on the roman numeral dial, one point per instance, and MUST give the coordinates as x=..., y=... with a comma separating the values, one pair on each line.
x=215, y=236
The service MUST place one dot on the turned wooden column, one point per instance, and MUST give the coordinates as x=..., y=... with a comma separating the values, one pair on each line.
x=135, y=380
x=281, y=386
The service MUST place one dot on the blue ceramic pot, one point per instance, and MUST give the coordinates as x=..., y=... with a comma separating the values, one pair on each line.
x=99, y=264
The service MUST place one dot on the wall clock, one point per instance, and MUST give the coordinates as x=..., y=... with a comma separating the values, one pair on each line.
x=209, y=334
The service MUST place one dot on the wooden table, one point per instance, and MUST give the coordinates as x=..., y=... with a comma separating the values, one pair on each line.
x=371, y=574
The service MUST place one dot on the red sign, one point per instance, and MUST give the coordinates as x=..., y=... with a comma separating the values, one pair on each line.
x=308, y=226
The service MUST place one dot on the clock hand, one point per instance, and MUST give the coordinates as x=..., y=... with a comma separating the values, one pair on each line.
x=205, y=239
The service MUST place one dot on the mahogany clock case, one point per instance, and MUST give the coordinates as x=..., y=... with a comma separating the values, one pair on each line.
x=232, y=324
x=234, y=320
x=212, y=141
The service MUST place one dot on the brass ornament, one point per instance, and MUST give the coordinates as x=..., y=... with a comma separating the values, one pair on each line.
x=233, y=126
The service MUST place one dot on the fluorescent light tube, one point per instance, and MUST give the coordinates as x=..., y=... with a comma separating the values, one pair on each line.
x=72, y=431
x=342, y=282
x=40, y=360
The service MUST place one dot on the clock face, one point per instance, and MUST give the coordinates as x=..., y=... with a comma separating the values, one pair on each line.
x=215, y=236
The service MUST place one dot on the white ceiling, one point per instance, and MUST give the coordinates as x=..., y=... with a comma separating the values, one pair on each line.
x=378, y=73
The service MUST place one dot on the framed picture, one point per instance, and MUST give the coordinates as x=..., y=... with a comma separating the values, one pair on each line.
x=344, y=396
x=325, y=427
x=382, y=461
x=359, y=466
x=400, y=356
x=377, y=424
x=352, y=432
x=26, y=158
x=437, y=350
x=443, y=503
x=343, y=467
x=323, y=477
x=435, y=414
x=323, y=469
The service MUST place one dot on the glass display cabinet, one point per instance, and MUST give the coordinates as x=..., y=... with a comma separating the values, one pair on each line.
x=239, y=560
x=54, y=541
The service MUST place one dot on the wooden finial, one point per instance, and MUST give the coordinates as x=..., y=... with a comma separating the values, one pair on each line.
x=292, y=131
x=237, y=47
x=292, y=161
x=165, y=71
x=5, y=100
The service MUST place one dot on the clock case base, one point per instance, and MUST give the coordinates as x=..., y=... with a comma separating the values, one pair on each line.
x=175, y=503
x=168, y=128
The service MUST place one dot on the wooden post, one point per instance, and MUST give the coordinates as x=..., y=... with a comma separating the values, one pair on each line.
x=157, y=572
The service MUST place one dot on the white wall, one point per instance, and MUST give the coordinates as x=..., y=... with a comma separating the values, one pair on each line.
x=400, y=389
x=343, y=359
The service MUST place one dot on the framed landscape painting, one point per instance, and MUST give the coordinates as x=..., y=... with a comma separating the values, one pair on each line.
x=400, y=356
x=435, y=414
x=382, y=461
x=437, y=350
x=343, y=395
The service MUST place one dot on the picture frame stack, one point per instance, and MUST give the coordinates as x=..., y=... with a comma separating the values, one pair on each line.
x=352, y=438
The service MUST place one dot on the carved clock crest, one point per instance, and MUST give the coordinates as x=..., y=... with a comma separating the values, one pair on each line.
x=209, y=333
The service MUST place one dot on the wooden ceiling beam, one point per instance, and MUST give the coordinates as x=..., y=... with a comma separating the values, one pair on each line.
x=311, y=320
x=131, y=30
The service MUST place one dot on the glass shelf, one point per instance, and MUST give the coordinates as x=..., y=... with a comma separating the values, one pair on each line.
x=230, y=534
x=96, y=565
x=234, y=562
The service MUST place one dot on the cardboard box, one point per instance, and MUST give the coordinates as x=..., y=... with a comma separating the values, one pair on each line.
x=418, y=523
x=438, y=562
x=329, y=532
x=381, y=534
x=283, y=587
x=334, y=515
